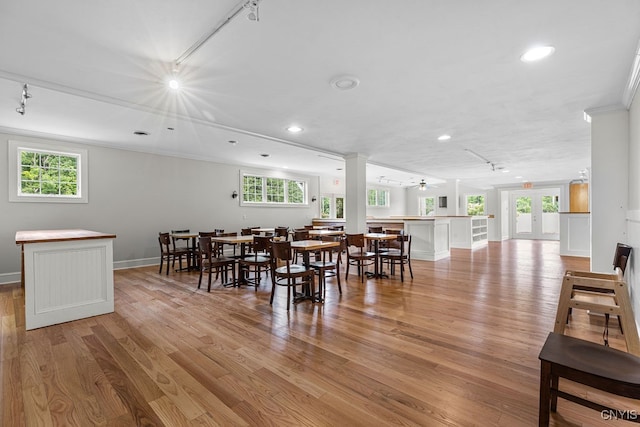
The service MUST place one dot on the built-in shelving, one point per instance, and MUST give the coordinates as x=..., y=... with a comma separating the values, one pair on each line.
x=469, y=232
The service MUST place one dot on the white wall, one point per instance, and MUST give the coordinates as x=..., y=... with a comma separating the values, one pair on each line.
x=609, y=185
x=633, y=215
x=135, y=196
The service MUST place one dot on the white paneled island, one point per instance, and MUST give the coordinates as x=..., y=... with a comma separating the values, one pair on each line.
x=67, y=275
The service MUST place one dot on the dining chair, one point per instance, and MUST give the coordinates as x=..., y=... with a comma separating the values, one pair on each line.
x=169, y=253
x=282, y=232
x=398, y=252
x=181, y=242
x=375, y=229
x=209, y=262
x=299, y=234
x=285, y=273
x=357, y=255
x=326, y=266
x=218, y=248
x=258, y=262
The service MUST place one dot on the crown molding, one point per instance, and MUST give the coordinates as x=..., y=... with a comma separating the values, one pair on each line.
x=605, y=109
x=633, y=81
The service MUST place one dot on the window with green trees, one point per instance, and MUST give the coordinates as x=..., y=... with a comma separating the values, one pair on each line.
x=270, y=190
x=475, y=204
x=47, y=172
x=427, y=206
x=549, y=204
x=377, y=197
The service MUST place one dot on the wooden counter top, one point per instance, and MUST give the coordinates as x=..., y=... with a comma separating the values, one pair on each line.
x=40, y=236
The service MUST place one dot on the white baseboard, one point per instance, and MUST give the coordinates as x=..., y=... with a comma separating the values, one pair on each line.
x=7, y=278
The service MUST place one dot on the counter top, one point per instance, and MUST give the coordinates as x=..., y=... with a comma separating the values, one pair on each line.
x=40, y=236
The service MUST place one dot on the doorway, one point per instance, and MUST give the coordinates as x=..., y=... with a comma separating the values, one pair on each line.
x=534, y=214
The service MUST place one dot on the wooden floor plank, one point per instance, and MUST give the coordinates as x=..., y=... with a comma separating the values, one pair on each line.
x=455, y=346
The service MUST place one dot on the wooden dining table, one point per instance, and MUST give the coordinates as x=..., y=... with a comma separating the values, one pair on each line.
x=376, y=238
x=306, y=247
x=319, y=233
x=236, y=240
x=192, y=263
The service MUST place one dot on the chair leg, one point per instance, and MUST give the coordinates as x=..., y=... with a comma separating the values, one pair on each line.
x=209, y=284
x=161, y=261
x=288, y=297
x=200, y=279
x=401, y=271
x=338, y=277
x=410, y=270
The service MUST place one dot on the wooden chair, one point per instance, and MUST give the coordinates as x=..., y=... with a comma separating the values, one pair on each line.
x=209, y=263
x=601, y=293
x=357, y=255
x=376, y=229
x=284, y=273
x=620, y=259
x=326, y=266
x=587, y=363
x=169, y=253
x=398, y=252
x=299, y=234
x=258, y=262
x=181, y=243
x=282, y=232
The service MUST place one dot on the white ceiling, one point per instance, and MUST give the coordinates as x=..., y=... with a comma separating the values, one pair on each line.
x=97, y=71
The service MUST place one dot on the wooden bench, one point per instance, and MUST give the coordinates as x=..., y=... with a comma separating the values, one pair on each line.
x=591, y=364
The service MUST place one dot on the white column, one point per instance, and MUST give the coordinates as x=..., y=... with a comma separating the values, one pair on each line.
x=356, y=193
x=609, y=184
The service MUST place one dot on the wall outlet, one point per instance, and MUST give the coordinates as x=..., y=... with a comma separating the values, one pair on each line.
x=244, y=216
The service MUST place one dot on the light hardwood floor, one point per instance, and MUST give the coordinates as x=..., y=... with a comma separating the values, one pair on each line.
x=457, y=346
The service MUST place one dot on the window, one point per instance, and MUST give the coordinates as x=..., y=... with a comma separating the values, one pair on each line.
x=332, y=206
x=475, y=204
x=47, y=173
x=263, y=190
x=377, y=197
x=427, y=205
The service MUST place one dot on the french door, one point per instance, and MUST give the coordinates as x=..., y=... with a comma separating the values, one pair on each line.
x=534, y=214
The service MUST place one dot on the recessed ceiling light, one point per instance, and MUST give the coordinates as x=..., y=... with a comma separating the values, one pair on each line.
x=518, y=177
x=537, y=53
x=285, y=167
x=140, y=133
x=345, y=82
x=505, y=171
x=174, y=84
x=264, y=155
x=233, y=142
x=444, y=137
x=294, y=129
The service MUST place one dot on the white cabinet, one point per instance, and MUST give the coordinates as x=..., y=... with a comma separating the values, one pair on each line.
x=68, y=275
x=469, y=232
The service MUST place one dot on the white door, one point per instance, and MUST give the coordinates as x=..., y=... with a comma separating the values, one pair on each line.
x=534, y=214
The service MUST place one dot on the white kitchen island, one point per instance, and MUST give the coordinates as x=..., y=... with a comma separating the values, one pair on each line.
x=67, y=275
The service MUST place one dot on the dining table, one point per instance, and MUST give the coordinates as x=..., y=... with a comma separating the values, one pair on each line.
x=192, y=263
x=317, y=234
x=236, y=240
x=306, y=247
x=376, y=238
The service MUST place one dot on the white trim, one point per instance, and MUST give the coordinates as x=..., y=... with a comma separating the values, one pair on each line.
x=14, y=172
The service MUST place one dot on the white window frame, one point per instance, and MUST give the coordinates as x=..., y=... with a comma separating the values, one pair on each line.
x=264, y=176
x=333, y=205
x=378, y=190
x=15, y=172
x=466, y=202
x=422, y=205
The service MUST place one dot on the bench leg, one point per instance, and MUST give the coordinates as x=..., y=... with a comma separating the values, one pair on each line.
x=545, y=394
